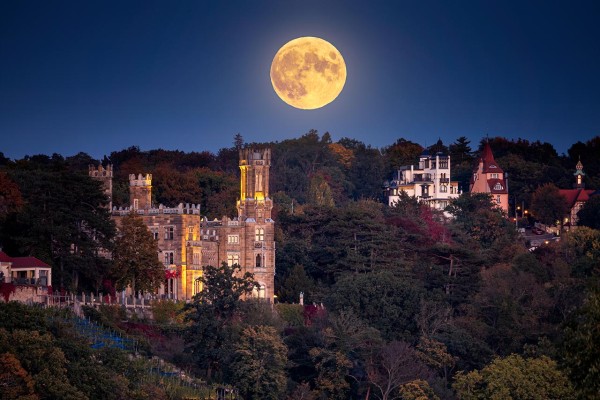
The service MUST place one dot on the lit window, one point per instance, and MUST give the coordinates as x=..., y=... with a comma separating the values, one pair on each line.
x=233, y=259
x=233, y=239
x=190, y=233
x=260, y=234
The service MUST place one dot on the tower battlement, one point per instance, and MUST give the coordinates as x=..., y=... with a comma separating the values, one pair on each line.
x=100, y=172
x=140, y=180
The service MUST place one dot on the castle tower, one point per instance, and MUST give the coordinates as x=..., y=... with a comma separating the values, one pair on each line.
x=254, y=184
x=579, y=174
x=140, y=191
x=105, y=176
x=488, y=177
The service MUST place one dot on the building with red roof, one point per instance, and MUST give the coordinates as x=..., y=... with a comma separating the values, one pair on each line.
x=488, y=177
x=576, y=197
x=24, y=270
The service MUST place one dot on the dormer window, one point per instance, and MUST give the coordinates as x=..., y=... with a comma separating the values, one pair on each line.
x=498, y=186
x=493, y=166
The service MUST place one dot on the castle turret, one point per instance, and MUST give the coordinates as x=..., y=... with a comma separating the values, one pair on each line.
x=105, y=176
x=140, y=191
x=254, y=199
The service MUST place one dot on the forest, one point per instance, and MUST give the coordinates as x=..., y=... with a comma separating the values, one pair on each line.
x=400, y=302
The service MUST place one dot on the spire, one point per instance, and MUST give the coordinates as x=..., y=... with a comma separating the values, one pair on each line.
x=579, y=174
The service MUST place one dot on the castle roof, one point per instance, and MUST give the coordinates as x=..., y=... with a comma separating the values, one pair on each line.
x=487, y=158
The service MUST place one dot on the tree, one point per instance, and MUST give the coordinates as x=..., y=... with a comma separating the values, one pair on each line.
x=548, y=205
x=515, y=377
x=10, y=196
x=65, y=222
x=213, y=314
x=136, y=257
x=258, y=367
x=384, y=301
x=581, y=347
x=394, y=365
x=16, y=382
x=589, y=215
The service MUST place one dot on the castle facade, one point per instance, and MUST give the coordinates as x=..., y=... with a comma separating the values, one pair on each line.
x=187, y=242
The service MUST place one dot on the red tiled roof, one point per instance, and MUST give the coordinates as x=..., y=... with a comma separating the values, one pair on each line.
x=572, y=196
x=492, y=182
x=26, y=262
x=489, y=164
x=5, y=257
x=22, y=262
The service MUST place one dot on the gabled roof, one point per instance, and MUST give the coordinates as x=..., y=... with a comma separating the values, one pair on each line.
x=493, y=182
x=489, y=164
x=573, y=196
x=5, y=257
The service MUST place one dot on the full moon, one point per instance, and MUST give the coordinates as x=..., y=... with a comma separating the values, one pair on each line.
x=308, y=73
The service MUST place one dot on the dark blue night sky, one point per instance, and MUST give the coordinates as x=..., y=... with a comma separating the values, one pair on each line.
x=98, y=75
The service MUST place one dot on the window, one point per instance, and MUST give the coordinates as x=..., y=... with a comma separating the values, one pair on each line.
x=260, y=234
x=232, y=259
x=258, y=261
x=154, y=231
x=197, y=257
x=197, y=286
x=498, y=186
x=190, y=233
x=443, y=189
x=474, y=177
x=443, y=164
x=233, y=239
x=169, y=232
x=169, y=257
x=494, y=176
x=136, y=204
x=498, y=199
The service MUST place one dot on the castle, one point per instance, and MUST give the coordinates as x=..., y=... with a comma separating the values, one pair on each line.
x=187, y=242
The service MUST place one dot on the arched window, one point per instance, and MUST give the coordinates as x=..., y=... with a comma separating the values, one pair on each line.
x=258, y=261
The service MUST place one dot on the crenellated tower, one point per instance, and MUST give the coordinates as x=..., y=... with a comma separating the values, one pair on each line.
x=254, y=199
x=104, y=175
x=140, y=191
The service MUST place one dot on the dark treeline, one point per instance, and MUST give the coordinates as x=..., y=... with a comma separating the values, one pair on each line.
x=456, y=308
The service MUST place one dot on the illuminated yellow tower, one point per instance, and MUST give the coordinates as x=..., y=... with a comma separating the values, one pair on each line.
x=254, y=199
